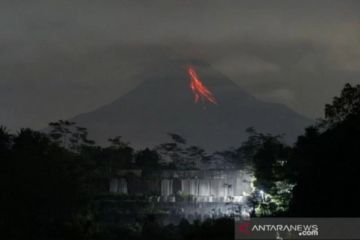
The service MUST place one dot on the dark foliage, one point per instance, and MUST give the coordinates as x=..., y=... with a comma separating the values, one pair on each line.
x=147, y=159
x=45, y=189
x=326, y=161
x=210, y=229
x=48, y=182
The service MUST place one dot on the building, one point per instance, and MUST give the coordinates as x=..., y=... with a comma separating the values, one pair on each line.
x=184, y=185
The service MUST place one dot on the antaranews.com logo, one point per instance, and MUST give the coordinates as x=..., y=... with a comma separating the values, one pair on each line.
x=298, y=228
x=301, y=230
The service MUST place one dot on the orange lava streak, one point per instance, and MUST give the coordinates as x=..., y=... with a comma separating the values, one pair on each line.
x=199, y=89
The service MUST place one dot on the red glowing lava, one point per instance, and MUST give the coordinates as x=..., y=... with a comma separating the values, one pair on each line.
x=198, y=88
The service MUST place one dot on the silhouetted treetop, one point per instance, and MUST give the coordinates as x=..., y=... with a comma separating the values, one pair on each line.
x=347, y=105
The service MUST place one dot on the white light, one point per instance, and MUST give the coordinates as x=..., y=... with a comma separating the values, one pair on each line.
x=262, y=194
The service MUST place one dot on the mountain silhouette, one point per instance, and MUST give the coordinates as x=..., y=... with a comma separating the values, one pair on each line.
x=164, y=103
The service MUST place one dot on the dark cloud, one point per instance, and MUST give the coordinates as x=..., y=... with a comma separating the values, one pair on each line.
x=61, y=58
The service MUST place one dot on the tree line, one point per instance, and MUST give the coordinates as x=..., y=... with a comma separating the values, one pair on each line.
x=49, y=180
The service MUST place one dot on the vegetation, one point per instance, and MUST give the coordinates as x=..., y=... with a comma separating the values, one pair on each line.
x=326, y=161
x=269, y=158
x=50, y=183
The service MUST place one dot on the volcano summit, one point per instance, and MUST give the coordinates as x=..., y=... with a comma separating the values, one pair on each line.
x=164, y=102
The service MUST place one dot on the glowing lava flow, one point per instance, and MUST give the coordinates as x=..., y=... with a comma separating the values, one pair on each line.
x=199, y=89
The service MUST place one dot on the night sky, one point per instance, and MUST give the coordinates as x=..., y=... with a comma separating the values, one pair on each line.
x=62, y=58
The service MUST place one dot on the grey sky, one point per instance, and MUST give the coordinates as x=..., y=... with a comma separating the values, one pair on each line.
x=61, y=58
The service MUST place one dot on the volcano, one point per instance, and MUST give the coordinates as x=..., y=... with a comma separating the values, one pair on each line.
x=164, y=103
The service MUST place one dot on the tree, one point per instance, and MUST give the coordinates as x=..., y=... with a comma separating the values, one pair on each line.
x=43, y=189
x=268, y=157
x=177, y=153
x=69, y=135
x=147, y=159
x=5, y=140
x=79, y=139
x=229, y=158
x=60, y=132
x=345, y=106
x=5, y=147
x=119, y=155
x=327, y=162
